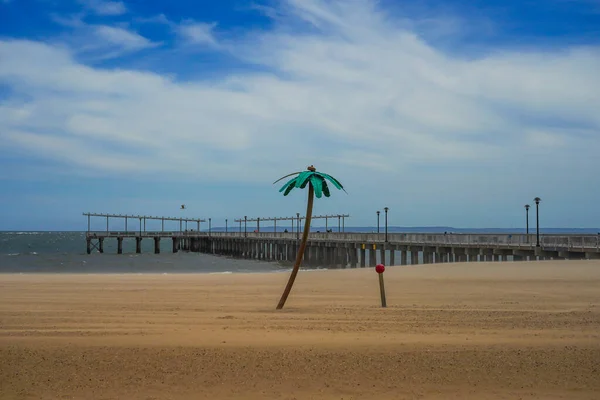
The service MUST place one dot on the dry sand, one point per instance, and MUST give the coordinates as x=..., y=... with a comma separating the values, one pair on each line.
x=454, y=331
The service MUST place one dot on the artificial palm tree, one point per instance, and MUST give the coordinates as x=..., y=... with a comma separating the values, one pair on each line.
x=317, y=186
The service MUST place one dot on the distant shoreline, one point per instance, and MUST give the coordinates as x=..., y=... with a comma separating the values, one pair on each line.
x=367, y=229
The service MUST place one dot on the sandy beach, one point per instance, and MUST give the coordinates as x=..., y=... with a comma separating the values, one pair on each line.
x=453, y=331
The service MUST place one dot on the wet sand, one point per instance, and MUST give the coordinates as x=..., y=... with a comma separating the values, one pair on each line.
x=454, y=331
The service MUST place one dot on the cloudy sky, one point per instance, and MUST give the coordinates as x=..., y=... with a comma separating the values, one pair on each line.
x=449, y=112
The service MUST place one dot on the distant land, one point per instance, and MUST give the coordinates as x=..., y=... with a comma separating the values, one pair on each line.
x=370, y=229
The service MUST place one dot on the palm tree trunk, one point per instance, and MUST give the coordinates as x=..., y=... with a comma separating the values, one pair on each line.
x=300, y=254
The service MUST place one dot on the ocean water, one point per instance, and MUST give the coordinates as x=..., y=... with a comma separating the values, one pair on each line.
x=65, y=252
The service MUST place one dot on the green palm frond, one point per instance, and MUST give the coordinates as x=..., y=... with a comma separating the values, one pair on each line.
x=335, y=182
x=325, y=188
x=293, y=180
x=303, y=179
x=289, y=188
x=283, y=177
x=318, y=180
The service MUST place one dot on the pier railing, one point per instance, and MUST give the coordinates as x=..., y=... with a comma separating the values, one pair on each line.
x=136, y=233
x=557, y=241
x=427, y=239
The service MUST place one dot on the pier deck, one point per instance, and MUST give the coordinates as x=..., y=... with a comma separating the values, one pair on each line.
x=348, y=249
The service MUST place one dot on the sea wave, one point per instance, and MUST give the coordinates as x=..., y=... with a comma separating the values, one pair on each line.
x=31, y=253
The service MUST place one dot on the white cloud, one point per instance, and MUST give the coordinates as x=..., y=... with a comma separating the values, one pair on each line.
x=356, y=91
x=123, y=38
x=189, y=31
x=71, y=21
x=546, y=139
x=197, y=32
x=105, y=8
x=90, y=42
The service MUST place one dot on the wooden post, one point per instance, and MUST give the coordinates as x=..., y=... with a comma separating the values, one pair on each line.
x=363, y=257
x=380, y=268
x=414, y=257
x=373, y=255
x=382, y=291
x=119, y=245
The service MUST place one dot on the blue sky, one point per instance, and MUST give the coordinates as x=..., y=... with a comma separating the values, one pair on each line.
x=449, y=112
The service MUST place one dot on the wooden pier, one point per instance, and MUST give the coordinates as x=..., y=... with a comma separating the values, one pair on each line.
x=95, y=239
x=346, y=249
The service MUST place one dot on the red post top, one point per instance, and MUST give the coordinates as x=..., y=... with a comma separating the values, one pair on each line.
x=379, y=268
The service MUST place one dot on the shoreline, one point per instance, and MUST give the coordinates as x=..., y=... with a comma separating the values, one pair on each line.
x=2, y=273
x=432, y=266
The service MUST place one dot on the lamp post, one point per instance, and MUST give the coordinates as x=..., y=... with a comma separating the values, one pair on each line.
x=386, y=221
x=527, y=221
x=225, y=225
x=245, y=226
x=257, y=224
x=377, y=221
x=537, y=219
x=209, y=225
x=298, y=227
